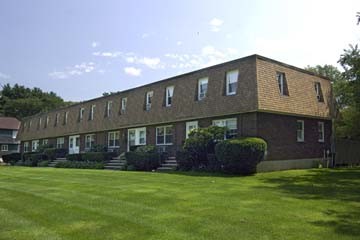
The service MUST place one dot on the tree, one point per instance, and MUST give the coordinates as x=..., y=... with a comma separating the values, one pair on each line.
x=19, y=101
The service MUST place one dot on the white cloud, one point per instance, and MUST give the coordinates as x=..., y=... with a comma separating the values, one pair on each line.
x=95, y=44
x=145, y=35
x=77, y=70
x=108, y=54
x=179, y=43
x=132, y=71
x=153, y=63
x=4, y=76
x=215, y=24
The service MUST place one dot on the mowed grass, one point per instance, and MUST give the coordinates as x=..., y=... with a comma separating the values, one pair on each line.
x=48, y=203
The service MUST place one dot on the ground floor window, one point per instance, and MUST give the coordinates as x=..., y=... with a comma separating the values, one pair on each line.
x=60, y=142
x=164, y=135
x=136, y=136
x=190, y=126
x=45, y=142
x=35, y=145
x=26, y=146
x=230, y=124
x=4, y=148
x=321, y=131
x=113, y=139
x=300, y=130
x=89, y=141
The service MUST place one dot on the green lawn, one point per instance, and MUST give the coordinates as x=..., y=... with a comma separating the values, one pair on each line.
x=49, y=203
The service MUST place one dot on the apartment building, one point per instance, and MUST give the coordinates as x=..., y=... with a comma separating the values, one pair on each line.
x=252, y=96
x=9, y=127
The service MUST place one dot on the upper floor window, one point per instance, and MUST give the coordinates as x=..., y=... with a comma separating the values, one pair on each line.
x=232, y=82
x=4, y=148
x=300, y=130
x=230, y=124
x=318, y=92
x=321, y=131
x=39, y=124
x=66, y=117
x=149, y=96
x=202, y=88
x=123, y=104
x=45, y=142
x=47, y=120
x=283, y=88
x=164, y=135
x=169, y=96
x=29, y=127
x=81, y=113
x=108, y=108
x=56, y=119
x=92, y=110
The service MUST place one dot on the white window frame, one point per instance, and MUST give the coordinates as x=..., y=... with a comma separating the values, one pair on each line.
x=45, y=141
x=301, y=137
x=137, y=133
x=112, y=137
x=39, y=123
x=202, y=94
x=321, y=130
x=149, y=96
x=92, y=111
x=4, y=148
x=92, y=139
x=66, y=117
x=164, y=130
x=229, y=81
x=34, y=145
x=224, y=123
x=169, y=95
x=57, y=119
x=317, y=90
x=81, y=113
x=60, y=142
x=108, y=108
x=26, y=146
x=47, y=120
x=190, y=126
x=123, y=104
x=280, y=78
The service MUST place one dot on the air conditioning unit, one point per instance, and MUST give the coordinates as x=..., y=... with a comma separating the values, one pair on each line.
x=148, y=106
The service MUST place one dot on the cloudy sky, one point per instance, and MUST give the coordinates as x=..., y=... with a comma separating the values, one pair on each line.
x=80, y=49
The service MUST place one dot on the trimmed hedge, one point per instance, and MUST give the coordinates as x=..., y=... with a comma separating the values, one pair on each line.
x=74, y=157
x=12, y=158
x=32, y=159
x=91, y=156
x=78, y=164
x=144, y=158
x=240, y=156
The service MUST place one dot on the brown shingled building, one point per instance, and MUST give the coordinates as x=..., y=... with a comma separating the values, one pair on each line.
x=253, y=96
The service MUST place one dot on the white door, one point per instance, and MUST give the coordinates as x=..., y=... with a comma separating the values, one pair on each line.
x=74, y=144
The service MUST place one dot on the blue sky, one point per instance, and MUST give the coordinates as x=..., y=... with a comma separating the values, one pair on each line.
x=80, y=49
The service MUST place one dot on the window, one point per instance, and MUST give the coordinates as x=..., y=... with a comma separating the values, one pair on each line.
x=164, y=135
x=81, y=113
x=300, y=130
x=4, y=148
x=169, y=96
x=123, y=104
x=230, y=124
x=47, y=120
x=66, y=117
x=231, y=82
x=108, y=108
x=29, y=125
x=202, y=88
x=92, y=111
x=45, y=142
x=24, y=127
x=35, y=145
x=56, y=119
x=39, y=124
x=318, y=92
x=321, y=131
x=60, y=142
x=136, y=136
x=26, y=146
x=190, y=126
x=89, y=141
x=113, y=139
x=149, y=96
x=282, y=83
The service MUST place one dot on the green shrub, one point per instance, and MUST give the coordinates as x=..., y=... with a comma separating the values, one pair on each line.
x=99, y=148
x=50, y=153
x=184, y=160
x=146, y=149
x=143, y=161
x=240, y=156
x=74, y=157
x=200, y=143
x=32, y=159
x=60, y=152
x=43, y=163
x=78, y=164
x=12, y=158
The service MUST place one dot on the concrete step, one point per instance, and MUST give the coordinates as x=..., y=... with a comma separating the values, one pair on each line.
x=113, y=167
x=170, y=161
x=165, y=169
x=173, y=165
x=117, y=161
x=115, y=164
x=171, y=158
x=59, y=159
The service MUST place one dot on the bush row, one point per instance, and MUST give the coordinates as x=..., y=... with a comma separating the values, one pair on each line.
x=79, y=164
x=91, y=156
x=143, y=158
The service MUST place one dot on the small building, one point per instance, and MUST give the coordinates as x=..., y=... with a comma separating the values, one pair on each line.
x=9, y=128
x=287, y=106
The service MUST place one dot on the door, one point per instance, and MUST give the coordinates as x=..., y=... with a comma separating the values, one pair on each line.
x=74, y=144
